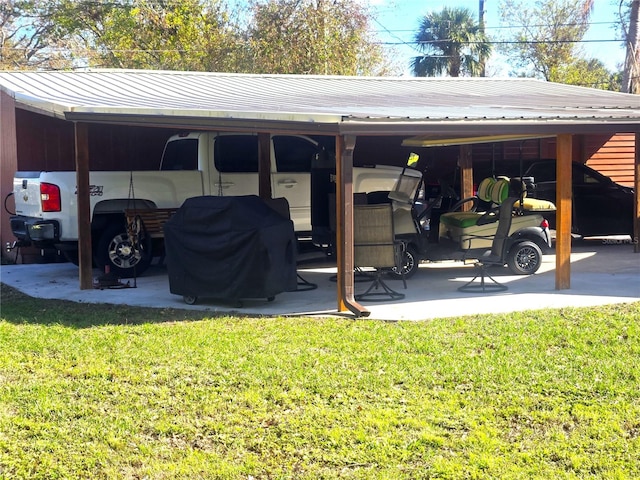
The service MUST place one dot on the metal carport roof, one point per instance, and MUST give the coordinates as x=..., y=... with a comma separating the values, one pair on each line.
x=338, y=105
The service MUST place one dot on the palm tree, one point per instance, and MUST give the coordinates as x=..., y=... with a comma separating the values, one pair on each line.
x=452, y=43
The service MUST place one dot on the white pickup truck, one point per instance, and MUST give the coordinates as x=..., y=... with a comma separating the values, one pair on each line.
x=193, y=164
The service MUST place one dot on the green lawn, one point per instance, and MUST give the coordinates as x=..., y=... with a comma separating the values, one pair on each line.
x=105, y=391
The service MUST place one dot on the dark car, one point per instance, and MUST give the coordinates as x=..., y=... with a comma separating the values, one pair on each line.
x=600, y=206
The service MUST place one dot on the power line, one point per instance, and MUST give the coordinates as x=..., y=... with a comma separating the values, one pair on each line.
x=509, y=27
x=504, y=42
x=400, y=42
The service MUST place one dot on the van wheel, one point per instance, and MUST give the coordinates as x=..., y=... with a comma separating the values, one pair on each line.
x=410, y=263
x=524, y=258
x=117, y=251
x=190, y=299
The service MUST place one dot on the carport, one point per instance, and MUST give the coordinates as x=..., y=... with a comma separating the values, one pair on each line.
x=343, y=107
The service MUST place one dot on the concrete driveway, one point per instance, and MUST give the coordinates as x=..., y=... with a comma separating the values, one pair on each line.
x=603, y=271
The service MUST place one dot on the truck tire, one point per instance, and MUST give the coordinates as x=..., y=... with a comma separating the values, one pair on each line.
x=524, y=258
x=410, y=263
x=116, y=251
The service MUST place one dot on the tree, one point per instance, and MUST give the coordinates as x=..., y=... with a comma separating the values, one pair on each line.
x=30, y=37
x=281, y=36
x=587, y=73
x=329, y=37
x=163, y=34
x=631, y=34
x=452, y=43
x=173, y=35
x=550, y=34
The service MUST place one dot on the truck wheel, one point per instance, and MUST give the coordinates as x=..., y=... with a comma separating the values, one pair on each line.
x=410, y=263
x=524, y=258
x=116, y=250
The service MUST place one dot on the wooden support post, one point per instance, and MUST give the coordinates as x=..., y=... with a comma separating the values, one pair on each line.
x=563, y=212
x=84, y=206
x=264, y=166
x=636, y=216
x=466, y=174
x=344, y=226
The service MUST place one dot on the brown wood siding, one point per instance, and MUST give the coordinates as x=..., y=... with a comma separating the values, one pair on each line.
x=613, y=156
x=119, y=147
x=8, y=162
x=47, y=143
x=44, y=143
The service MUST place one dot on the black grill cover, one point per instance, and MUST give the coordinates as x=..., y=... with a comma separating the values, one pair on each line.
x=230, y=248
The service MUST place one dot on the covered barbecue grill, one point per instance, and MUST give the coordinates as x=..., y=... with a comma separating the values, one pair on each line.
x=229, y=248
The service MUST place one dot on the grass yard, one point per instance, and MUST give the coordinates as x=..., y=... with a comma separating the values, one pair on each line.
x=102, y=391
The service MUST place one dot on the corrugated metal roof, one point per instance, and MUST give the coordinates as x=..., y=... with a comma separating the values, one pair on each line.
x=343, y=101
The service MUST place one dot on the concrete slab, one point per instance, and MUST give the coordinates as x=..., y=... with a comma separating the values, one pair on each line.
x=604, y=271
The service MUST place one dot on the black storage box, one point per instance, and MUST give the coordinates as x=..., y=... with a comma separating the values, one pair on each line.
x=230, y=248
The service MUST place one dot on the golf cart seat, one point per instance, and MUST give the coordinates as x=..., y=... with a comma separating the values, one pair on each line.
x=492, y=191
x=472, y=230
x=526, y=205
x=483, y=282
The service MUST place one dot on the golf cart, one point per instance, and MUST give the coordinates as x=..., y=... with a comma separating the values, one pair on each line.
x=431, y=234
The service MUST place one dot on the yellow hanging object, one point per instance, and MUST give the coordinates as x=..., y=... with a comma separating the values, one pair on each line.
x=413, y=159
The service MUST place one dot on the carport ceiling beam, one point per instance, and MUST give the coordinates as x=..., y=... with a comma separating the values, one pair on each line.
x=440, y=141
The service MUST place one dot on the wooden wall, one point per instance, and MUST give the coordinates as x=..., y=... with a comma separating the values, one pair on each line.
x=612, y=156
x=47, y=143
x=8, y=162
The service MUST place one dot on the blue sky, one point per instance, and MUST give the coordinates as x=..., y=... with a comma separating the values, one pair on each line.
x=397, y=20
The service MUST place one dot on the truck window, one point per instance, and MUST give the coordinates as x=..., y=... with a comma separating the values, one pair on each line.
x=293, y=154
x=180, y=155
x=236, y=153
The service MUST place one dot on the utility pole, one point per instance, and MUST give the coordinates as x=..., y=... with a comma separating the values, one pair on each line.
x=631, y=75
x=481, y=25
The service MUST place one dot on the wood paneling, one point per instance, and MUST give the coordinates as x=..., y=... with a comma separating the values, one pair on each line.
x=613, y=156
x=44, y=143
x=8, y=161
x=47, y=143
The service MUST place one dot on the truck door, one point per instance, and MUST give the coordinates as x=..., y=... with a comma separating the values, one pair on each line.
x=292, y=178
x=235, y=157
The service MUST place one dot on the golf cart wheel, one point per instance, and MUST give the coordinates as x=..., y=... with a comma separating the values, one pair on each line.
x=190, y=299
x=524, y=258
x=410, y=263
